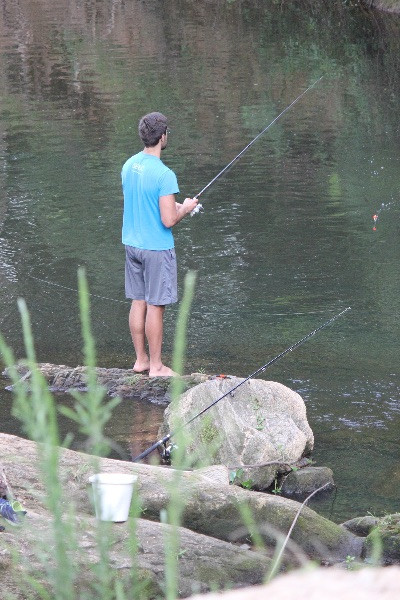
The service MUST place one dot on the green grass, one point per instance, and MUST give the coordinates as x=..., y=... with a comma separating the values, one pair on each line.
x=58, y=553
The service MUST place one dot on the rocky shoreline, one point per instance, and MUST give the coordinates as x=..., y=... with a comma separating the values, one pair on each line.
x=124, y=383
x=216, y=548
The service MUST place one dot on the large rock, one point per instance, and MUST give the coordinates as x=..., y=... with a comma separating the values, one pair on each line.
x=210, y=505
x=361, y=526
x=323, y=584
x=261, y=422
x=300, y=483
x=204, y=562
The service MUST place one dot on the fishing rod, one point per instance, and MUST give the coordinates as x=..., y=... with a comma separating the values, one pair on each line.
x=199, y=207
x=166, y=438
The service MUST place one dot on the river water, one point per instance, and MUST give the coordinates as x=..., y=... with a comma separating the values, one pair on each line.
x=286, y=240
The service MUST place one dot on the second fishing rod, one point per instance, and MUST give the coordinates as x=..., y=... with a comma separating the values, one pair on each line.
x=166, y=438
x=199, y=207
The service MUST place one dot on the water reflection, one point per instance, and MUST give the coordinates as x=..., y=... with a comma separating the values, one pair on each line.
x=286, y=238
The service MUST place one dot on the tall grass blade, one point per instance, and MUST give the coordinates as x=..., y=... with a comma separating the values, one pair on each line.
x=176, y=503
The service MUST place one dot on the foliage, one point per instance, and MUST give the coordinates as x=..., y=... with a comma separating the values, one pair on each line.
x=236, y=477
x=59, y=551
x=277, y=489
x=35, y=407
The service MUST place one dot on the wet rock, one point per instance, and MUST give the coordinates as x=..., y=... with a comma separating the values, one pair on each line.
x=117, y=382
x=361, y=526
x=302, y=482
x=262, y=422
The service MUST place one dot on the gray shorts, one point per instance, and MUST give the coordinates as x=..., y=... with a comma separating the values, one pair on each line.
x=151, y=275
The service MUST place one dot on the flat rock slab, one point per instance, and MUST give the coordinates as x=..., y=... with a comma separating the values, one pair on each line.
x=210, y=505
x=118, y=382
x=204, y=562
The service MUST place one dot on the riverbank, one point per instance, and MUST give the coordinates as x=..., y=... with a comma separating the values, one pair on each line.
x=201, y=529
x=213, y=549
x=136, y=421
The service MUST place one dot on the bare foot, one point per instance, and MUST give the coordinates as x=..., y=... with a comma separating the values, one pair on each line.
x=141, y=367
x=163, y=371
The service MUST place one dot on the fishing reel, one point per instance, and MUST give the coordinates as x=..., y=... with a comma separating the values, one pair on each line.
x=197, y=209
x=166, y=452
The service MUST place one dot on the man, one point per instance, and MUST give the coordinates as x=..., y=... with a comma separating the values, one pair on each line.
x=150, y=211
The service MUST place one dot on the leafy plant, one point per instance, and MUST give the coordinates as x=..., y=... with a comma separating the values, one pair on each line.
x=232, y=476
x=236, y=477
x=276, y=489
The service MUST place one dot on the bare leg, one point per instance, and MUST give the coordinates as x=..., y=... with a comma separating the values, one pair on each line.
x=137, y=318
x=154, y=334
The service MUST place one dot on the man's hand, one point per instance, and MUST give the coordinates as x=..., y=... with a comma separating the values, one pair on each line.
x=189, y=204
x=172, y=212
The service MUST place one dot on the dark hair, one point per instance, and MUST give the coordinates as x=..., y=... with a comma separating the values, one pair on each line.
x=151, y=128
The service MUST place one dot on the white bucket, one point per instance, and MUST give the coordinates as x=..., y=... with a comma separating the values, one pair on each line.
x=112, y=495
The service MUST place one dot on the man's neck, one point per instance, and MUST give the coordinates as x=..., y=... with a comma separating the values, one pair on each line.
x=153, y=150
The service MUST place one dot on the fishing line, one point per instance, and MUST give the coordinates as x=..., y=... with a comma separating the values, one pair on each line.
x=75, y=291
x=166, y=438
x=64, y=287
x=333, y=503
x=199, y=207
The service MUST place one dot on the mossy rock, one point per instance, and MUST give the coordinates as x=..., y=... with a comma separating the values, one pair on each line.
x=302, y=482
x=384, y=540
x=361, y=526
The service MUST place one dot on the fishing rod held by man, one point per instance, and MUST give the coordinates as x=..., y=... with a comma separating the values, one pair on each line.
x=199, y=207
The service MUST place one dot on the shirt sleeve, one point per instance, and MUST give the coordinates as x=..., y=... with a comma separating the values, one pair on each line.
x=168, y=184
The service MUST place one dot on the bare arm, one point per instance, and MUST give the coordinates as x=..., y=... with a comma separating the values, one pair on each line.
x=172, y=212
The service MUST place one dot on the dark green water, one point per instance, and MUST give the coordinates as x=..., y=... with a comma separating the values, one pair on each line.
x=286, y=239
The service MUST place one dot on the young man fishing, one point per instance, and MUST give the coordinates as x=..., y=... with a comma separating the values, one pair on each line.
x=150, y=211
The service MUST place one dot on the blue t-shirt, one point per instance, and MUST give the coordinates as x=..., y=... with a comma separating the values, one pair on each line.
x=144, y=179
